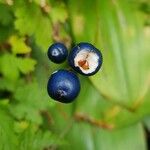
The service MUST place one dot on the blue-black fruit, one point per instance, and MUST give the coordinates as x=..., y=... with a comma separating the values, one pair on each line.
x=85, y=59
x=57, y=53
x=63, y=86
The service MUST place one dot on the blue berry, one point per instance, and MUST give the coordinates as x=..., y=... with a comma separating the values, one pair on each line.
x=63, y=86
x=85, y=59
x=57, y=53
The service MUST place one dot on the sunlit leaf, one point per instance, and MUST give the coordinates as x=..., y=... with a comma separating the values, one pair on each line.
x=59, y=13
x=39, y=25
x=18, y=45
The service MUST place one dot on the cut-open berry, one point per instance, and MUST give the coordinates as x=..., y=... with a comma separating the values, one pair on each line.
x=85, y=59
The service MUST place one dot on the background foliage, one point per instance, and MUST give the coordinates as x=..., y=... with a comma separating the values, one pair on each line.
x=113, y=107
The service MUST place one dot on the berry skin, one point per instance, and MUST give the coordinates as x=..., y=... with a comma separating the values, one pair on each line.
x=85, y=59
x=63, y=86
x=57, y=53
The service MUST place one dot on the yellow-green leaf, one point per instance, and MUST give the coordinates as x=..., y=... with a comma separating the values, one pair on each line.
x=18, y=45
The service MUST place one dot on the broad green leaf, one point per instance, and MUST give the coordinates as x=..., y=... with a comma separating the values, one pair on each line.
x=147, y=122
x=18, y=45
x=92, y=106
x=116, y=30
x=131, y=138
x=80, y=137
x=119, y=117
x=32, y=21
x=90, y=138
x=89, y=102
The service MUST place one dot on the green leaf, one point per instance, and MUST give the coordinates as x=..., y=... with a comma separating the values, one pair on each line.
x=59, y=13
x=7, y=84
x=8, y=67
x=6, y=16
x=90, y=138
x=145, y=7
x=39, y=25
x=6, y=22
x=18, y=45
x=26, y=65
x=36, y=139
x=146, y=122
x=118, y=33
x=5, y=31
x=7, y=135
x=89, y=104
x=131, y=138
x=30, y=99
x=83, y=140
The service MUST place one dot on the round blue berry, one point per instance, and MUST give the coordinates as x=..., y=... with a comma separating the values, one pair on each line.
x=63, y=86
x=57, y=53
x=85, y=59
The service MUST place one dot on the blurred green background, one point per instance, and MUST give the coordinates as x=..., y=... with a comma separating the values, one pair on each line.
x=112, y=111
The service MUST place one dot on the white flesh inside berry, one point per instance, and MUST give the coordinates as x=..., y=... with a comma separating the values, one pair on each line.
x=86, y=61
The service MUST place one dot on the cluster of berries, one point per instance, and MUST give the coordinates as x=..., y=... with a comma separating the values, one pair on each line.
x=84, y=58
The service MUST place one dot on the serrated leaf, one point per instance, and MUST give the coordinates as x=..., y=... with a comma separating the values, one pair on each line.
x=5, y=31
x=7, y=135
x=39, y=25
x=30, y=99
x=37, y=139
x=6, y=16
x=26, y=65
x=7, y=85
x=59, y=13
x=18, y=45
x=6, y=22
x=8, y=67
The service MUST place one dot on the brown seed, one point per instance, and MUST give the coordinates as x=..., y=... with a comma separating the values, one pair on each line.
x=84, y=64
